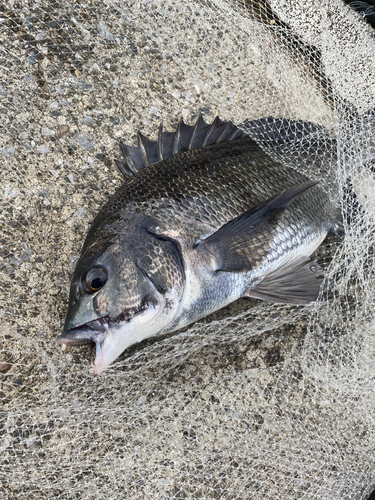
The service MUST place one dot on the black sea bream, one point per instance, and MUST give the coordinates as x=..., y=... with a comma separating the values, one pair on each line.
x=204, y=218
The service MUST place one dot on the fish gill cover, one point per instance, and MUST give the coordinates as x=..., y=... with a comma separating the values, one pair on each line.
x=258, y=401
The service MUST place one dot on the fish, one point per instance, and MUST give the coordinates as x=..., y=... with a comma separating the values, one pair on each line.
x=205, y=216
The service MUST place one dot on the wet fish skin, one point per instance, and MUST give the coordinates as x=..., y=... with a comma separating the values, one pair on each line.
x=152, y=238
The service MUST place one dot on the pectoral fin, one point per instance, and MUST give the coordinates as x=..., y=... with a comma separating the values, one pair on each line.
x=241, y=243
x=294, y=283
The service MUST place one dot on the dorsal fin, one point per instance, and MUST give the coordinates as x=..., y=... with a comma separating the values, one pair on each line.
x=199, y=133
x=168, y=144
x=132, y=157
x=149, y=150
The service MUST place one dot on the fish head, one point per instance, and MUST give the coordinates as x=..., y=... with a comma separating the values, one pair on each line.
x=123, y=294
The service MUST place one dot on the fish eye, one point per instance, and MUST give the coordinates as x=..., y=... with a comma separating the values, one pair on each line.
x=95, y=279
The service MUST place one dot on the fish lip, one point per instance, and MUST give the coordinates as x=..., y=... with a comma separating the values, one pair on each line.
x=92, y=332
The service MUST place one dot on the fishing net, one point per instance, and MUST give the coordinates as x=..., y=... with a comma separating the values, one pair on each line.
x=257, y=401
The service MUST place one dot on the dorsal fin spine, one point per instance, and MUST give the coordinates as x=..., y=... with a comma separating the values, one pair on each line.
x=160, y=142
x=176, y=140
x=213, y=125
x=224, y=132
x=169, y=144
x=236, y=134
x=197, y=126
x=123, y=168
x=143, y=149
x=129, y=161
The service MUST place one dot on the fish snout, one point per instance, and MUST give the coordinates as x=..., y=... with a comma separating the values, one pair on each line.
x=94, y=331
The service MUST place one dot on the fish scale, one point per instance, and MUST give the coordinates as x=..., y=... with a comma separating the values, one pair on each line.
x=194, y=176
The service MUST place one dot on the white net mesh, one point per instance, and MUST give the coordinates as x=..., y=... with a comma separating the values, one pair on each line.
x=258, y=401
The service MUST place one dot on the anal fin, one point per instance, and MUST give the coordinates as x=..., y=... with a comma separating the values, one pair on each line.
x=294, y=283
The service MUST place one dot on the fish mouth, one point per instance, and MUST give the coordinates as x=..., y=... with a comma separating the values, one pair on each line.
x=91, y=333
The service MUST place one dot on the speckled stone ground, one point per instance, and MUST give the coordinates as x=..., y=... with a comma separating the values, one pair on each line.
x=224, y=410
x=74, y=84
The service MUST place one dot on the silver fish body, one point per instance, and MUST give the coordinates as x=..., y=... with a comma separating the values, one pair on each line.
x=205, y=217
